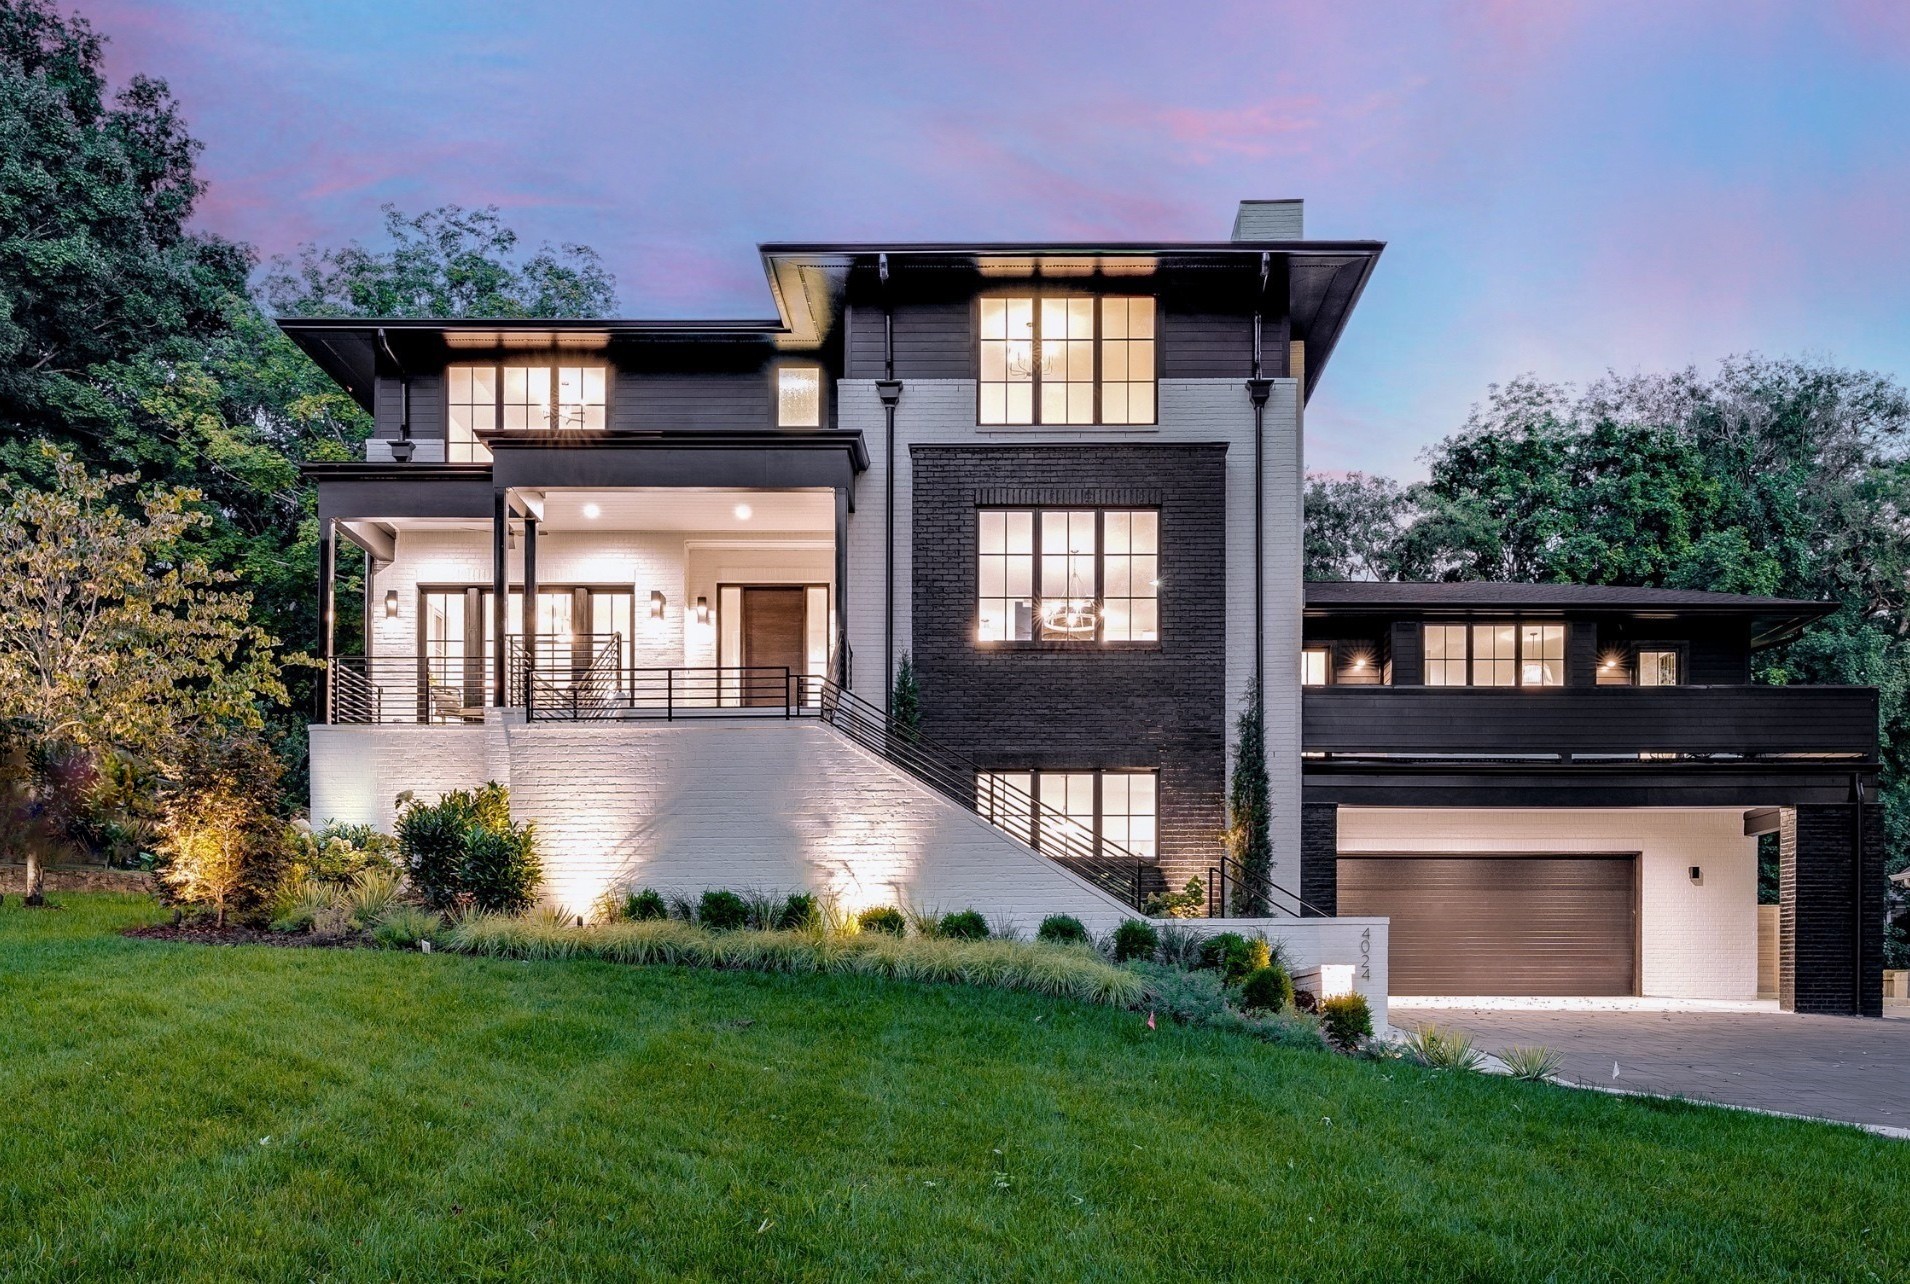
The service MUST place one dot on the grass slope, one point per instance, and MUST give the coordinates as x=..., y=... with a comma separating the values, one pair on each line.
x=184, y=1112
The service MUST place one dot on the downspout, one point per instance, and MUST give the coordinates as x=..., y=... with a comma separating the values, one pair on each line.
x=402, y=448
x=889, y=388
x=1860, y=920
x=1259, y=388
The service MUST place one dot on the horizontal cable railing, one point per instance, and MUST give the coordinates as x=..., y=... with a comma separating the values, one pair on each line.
x=407, y=688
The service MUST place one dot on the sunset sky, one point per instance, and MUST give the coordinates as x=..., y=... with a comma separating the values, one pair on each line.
x=1565, y=188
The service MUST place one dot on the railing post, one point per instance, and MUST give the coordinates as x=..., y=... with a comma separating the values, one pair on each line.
x=669, y=695
x=786, y=710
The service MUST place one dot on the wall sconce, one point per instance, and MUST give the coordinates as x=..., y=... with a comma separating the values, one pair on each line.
x=656, y=604
x=702, y=610
x=391, y=604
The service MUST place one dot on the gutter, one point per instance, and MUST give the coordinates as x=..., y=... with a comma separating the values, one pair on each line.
x=889, y=388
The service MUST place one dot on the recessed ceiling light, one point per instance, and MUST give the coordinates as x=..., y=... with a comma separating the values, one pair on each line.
x=593, y=512
x=744, y=512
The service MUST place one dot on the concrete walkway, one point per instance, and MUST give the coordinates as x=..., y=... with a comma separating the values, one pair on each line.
x=1844, y=1068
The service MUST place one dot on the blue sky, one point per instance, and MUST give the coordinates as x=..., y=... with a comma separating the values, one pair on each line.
x=1565, y=188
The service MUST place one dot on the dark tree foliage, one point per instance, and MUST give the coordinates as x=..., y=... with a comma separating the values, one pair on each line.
x=448, y=262
x=1771, y=476
x=1250, y=813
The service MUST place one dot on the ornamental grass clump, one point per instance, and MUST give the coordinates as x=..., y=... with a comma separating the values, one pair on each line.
x=1071, y=972
x=1532, y=1064
x=402, y=926
x=1443, y=1049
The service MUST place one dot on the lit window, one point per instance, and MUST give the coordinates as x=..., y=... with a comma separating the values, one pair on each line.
x=1541, y=655
x=1127, y=361
x=799, y=397
x=1082, y=813
x=1498, y=654
x=1445, y=655
x=1065, y=360
x=1313, y=667
x=1657, y=668
x=473, y=408
x=1083, y=574
x=490, y=398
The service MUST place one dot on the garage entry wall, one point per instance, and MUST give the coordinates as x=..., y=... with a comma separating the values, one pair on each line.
x=1695, y=940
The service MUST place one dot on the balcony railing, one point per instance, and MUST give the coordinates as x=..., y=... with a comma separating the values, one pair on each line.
x=1565, y=723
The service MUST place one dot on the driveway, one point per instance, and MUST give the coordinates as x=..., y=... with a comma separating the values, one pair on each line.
x=1842, y=1068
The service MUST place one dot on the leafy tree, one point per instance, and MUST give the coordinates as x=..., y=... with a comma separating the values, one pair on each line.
x=447, y=262
x=1249, y=812
x=112, y=638
x=1353, y=526
x=221, y=839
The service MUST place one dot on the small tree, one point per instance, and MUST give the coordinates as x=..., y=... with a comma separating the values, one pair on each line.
x=219, y=837
x=1249, y=837
x=111, y=636
x=905, y=704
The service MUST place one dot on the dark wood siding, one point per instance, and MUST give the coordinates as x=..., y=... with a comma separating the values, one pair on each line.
x=1590, y=720
x=691, y=401
x=1501, y=925
x=1409, y=651
x=427, y=407
x=1209, y=345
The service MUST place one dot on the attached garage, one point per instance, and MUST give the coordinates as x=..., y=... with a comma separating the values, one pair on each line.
x=1513, y=924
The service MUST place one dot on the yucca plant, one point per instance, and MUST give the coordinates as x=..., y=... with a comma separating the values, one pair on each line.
x=401, y=926
x=1443, y=1049
x=1536, y=1064
x=372, y=892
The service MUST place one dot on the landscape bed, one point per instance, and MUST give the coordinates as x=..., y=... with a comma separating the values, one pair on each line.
x=187, y=1113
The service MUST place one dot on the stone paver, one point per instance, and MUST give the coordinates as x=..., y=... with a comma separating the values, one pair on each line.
x=1842, y=1068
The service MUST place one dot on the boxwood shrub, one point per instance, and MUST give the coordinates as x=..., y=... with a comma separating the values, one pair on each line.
x=1061, y=929
x=883, y=918
x=1234, y=956
x=722, y=911
x=1267, y=989
x=1135, y=941
x=964, y=925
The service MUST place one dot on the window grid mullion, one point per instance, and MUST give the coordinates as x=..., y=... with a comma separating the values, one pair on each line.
x=1100, y=579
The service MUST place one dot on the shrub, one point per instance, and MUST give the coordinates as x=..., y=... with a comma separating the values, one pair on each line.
x=1134, y=939
x=339, y=853
x=1305, y=1001
x=722, y=911
x=882, y=918
x=1061, y=929
x=1348, y=1020
x=1189, y=902
x=964, y=925
x=799, y=913
x=1442, y=1049
x=1532, y=1064
x=402, y=926
x=222, y=846
x=644, y=906
x=465, y=851
x=1180, y=947
x=1192, y=998
x=1267, y=989
x=1235, y=956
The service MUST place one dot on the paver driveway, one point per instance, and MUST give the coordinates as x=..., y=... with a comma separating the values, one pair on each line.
x=1829, y=1067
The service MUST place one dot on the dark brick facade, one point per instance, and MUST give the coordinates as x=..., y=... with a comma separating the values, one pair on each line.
x=1073, y=705
x=1821, y=922
x=1320, y=857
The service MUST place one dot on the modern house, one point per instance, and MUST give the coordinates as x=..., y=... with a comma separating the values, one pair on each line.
x=1065, y=480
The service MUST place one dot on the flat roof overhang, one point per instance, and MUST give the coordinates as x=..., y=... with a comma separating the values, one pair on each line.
x=1586, y=785
x=746, y=460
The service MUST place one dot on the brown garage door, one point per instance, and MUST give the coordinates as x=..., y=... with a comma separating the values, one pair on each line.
x=1508, y=925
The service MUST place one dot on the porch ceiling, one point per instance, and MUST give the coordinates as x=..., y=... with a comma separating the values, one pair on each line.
x=742, y=511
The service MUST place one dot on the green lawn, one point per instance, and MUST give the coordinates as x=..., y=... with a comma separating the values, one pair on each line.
x=185, y=1112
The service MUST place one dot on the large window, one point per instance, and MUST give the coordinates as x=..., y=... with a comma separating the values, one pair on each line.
x=1060, y=574
x=798, y=397
x=490, y=398
x=1107, y=813
x=1066, y=360
x=1499, y=654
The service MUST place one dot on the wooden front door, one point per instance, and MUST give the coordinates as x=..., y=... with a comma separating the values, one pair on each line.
x=774, y=625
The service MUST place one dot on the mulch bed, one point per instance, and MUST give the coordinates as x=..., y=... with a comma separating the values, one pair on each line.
x=208, y=934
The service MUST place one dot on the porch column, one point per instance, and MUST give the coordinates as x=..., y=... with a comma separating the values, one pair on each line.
x=1830, y=915
x=500, y=597
x=1320, y=857
x=327, y=610
x=842, y=586
x=530, y=601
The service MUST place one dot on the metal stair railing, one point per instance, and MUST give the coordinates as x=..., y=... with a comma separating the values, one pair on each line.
x=955, y=776
x=1232, y=892
x=572, y=677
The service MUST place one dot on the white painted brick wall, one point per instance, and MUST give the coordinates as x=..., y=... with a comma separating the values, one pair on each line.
x=1695, y=940
x=942, y=412
x=358, y=772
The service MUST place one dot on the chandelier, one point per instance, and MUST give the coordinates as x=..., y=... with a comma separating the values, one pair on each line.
x=1070, y=617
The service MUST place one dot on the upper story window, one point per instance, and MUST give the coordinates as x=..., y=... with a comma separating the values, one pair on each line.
x=1658, y=666
x=1081, y=574
x=1498, y=654
x=494, y=397
x=1066, y=360
x=798, y=397
x=1315, y=664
